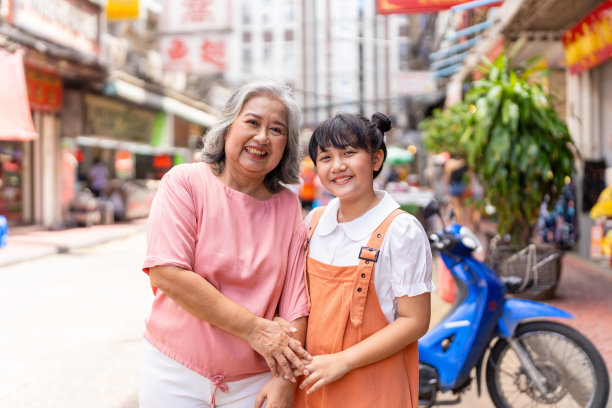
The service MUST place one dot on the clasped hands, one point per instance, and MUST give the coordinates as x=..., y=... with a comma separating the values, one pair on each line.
x=287, y=358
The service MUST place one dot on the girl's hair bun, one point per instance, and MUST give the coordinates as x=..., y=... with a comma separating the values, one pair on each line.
x=383, y=123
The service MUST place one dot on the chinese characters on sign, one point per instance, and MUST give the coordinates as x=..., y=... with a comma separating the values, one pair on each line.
x=203, y=53
x=193, y=35
x=75, y=23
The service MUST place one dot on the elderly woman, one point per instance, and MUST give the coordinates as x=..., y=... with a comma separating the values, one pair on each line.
x=225, y=255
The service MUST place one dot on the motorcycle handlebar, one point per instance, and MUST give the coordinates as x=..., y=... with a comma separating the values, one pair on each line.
x=442, y=240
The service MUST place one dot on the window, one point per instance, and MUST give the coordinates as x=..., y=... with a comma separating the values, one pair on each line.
x=247, y=58
x=246, y=12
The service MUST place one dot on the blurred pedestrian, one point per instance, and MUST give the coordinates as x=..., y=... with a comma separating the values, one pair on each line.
x=97, y=177
x=369, y=273
x=68, y=179
x=225, y=256
x=475, y=191
x=454, y=170
x=307, y=191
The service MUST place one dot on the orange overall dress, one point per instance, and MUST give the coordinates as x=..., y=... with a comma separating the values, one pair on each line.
x=344, y=311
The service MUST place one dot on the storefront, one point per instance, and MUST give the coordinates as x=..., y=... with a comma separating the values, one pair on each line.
x=587, y=92
x=61, y=48
x=588, y=55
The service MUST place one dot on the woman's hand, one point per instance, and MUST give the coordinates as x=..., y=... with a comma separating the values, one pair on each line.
x=277, y=392
x=289, y=329
x=324, y=369
x=279, y=349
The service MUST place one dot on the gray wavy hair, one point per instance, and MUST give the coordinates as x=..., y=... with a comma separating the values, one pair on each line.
x=288, y=169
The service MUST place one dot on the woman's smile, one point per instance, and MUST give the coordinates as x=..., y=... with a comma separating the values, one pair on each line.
x=256, y=151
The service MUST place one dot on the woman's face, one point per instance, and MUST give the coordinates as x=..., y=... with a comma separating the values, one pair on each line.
x=256, y=140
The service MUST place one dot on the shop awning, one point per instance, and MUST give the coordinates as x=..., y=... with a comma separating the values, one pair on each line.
x=142, y=96
x=136, y=148
x=15, y=116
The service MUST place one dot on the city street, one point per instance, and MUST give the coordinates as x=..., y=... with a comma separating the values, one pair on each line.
x=72, y=323
x=72, y=326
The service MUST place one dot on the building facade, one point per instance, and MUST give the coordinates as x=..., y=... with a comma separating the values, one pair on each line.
x=583, y=98
x=97, y=91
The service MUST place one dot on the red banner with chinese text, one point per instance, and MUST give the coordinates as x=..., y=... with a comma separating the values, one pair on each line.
x=416, y=6
x=589, y=42
x=44, y=89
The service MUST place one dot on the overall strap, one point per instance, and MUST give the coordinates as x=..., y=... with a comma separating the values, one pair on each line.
x=314, y=221
x=368, y=256
x=312, y=226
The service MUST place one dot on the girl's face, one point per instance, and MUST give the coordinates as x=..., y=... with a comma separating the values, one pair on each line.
x=256, y=140
x=348, y=172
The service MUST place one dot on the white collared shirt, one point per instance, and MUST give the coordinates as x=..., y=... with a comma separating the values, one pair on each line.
x=404, y=264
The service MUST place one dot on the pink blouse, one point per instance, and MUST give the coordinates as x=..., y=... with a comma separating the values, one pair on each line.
x=252, y=251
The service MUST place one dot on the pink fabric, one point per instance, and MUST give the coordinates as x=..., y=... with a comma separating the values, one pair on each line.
x=251, y=250
x=15, y=116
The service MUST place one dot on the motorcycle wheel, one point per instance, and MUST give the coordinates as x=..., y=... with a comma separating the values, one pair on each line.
x=575, y=372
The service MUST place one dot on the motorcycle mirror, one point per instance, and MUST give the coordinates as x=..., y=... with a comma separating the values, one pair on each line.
x=431, y=208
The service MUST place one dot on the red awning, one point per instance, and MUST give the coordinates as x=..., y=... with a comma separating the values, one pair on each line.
x=15, y=116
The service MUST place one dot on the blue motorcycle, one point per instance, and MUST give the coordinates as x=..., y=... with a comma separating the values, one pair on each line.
x=530, y=361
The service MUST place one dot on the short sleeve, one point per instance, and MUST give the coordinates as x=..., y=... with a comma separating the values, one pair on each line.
x=293, y=302
x=410, y=257
x=172, y=224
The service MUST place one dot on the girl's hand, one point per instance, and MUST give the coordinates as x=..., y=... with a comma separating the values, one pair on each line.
x=324, y=369
x=280, y=351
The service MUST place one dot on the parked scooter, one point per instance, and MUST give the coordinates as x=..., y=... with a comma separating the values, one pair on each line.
x=530, y=361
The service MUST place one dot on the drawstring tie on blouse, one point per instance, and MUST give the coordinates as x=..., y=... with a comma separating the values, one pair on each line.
x=219, y=384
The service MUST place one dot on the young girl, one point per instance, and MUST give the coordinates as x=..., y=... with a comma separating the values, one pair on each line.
x=368, y=274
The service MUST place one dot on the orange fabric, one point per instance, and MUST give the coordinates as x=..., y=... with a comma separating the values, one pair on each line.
x=345, y=311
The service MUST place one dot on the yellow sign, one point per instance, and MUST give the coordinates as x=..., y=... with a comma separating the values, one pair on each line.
x=122, y=10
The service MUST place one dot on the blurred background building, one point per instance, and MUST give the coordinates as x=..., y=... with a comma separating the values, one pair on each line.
x=136, y=83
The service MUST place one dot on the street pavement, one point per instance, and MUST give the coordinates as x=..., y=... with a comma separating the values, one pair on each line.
x=72, y=324
x=583, y=289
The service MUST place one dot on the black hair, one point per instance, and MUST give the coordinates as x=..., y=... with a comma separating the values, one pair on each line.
x=347, y=129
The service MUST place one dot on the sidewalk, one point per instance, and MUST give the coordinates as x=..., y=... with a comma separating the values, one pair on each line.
x=27, y=243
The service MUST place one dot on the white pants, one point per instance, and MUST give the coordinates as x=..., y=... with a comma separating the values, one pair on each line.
x=164, y=383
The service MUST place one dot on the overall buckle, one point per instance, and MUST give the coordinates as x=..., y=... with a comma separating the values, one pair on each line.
x=368, y=254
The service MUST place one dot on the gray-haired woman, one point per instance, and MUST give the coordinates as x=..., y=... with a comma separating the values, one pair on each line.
x=225, y=256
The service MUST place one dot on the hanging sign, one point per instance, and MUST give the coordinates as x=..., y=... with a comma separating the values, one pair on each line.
x=589, y=42
x=417, y=6
x=44, y=89
x=201, y=53
x=194, y=35
x=194, y=15
x=122, y=10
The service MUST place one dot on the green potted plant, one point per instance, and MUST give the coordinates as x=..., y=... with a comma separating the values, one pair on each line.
x=512, y=139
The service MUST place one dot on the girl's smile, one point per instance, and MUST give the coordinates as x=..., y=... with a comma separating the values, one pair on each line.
x=342, y=180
